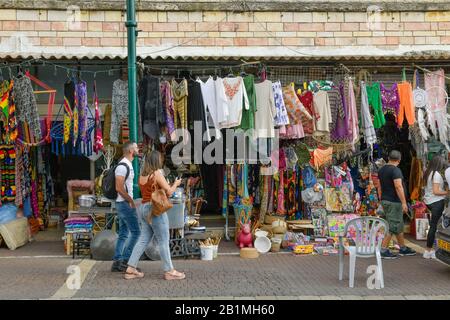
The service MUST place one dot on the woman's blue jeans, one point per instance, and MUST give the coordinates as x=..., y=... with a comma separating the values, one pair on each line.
x=160, y=229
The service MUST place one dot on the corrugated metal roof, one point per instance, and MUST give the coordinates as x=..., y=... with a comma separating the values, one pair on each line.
x=437, y=52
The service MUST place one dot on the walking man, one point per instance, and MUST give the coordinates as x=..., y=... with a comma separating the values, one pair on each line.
x=394, y=204
x=129, y=229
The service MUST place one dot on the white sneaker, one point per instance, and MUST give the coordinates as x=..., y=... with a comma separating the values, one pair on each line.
x=427, y=254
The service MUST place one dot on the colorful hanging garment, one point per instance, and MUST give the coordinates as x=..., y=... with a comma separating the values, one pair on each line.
x=390, y=99
x=437, y=105
x=8, y=173
x=281, y=117
x=374, y=98
x=26, y=106
x=8, y=112
x=353, y=126
x=119, y=110
x=370, y=136
x=82, y=108
x=98, y=139
x=69, y=102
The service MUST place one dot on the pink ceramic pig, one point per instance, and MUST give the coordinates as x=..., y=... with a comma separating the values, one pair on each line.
x=245, y=238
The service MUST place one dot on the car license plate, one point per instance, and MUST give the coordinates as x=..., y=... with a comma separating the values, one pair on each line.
x=444, y=245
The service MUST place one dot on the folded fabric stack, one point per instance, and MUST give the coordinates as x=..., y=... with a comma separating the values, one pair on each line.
x=78, y=224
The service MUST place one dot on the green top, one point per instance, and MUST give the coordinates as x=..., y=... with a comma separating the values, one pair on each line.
x=374, y=96
x=248, y=116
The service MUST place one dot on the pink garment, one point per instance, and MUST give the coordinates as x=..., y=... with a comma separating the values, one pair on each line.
x=293, y=132
x=353, y=126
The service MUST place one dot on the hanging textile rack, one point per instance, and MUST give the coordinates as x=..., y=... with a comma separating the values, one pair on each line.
x=426, y=70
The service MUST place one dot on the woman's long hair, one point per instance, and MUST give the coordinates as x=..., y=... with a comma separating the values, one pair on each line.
x=438, y=164
x=152, y=163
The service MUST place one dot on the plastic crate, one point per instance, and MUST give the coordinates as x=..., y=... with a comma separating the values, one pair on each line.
x=176, y=215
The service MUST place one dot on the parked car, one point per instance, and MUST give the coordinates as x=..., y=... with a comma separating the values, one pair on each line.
x=443, y=241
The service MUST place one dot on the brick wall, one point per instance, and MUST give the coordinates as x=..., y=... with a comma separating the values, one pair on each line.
x=105, y=29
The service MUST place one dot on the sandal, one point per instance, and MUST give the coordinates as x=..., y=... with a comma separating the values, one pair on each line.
x=133, y=274
x=174, y=275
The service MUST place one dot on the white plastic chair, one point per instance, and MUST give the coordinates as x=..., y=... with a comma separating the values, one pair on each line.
x=370, y=232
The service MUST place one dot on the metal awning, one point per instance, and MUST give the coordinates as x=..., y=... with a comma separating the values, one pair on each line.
x=274, y=53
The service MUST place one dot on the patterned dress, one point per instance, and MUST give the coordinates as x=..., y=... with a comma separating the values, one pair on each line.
x=281, y=117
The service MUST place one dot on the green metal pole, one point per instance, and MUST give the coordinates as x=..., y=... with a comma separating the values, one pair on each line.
x=131, y=25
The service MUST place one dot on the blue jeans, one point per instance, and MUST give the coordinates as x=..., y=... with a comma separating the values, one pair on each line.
x=160, y=229
x=129, y=231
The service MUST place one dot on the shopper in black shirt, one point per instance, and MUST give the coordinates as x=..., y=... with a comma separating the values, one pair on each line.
x=394, y=204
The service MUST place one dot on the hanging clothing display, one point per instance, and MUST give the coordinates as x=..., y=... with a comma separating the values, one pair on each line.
x=153, y=114
x=215, y=101
x=406, y=104
x=317, y=85
x=82, y=107
x=248, y=115
x=323, y=108
x=8, y=173
x=107, y=119
x=353, y=125
x=321, y=157
x=69, y=103
x=338, y=126
x=374, y=99
x=390, y=99
x=180, y=94
x=8, y=112
x=119, y=111
x=281, y=115
x=98, y=135
x=295, y=108
x=437, y=105
x=196, y=108
x=265, y=114
x=237, y=100
x=308, y=122
x=415, y=179
x=26, y=106
x=167, y=104
x=370, y=136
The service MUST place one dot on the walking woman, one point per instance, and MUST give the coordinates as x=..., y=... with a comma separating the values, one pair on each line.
x=434, y=198
x=159, y=226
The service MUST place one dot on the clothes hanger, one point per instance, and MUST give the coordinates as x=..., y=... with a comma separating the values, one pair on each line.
x=231, y=75
x=243, y=73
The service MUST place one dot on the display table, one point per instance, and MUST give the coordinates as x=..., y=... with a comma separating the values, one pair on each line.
x=95, y=213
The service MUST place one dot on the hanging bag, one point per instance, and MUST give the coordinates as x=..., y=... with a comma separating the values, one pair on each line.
x=160, y=202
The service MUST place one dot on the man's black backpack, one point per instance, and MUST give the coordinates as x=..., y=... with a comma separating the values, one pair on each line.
x=108, y=181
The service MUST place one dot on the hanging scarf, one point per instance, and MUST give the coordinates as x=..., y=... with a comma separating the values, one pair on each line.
x=69, y=102
x=98, y=140
x=82, y=107
x=8, y=112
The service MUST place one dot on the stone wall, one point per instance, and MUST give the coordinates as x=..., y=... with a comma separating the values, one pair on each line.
x=47, y=31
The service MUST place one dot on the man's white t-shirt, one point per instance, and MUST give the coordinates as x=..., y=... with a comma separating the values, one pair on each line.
x=429, y=196
x=122, y=172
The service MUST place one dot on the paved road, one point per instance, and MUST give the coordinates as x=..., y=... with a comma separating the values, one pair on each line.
x=282, y=276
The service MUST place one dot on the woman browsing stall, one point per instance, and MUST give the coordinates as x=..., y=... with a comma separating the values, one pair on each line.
x=159, y=225
x=434, y=198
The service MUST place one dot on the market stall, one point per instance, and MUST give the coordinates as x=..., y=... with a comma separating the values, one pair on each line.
x=308, y=165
